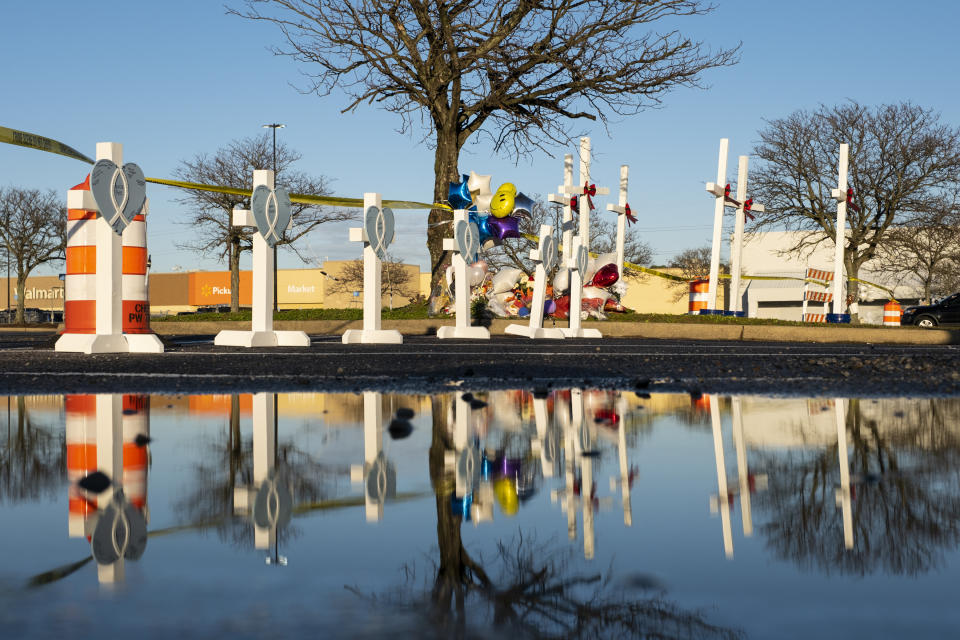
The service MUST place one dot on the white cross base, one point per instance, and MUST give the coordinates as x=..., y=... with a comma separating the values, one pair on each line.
x=261, y=332
x=372, y=304
x=463, y=328
x=109, y=336
x=536, y=329
x=575, y=330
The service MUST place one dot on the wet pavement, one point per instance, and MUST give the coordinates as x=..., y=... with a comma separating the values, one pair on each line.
x=192, y=363
x=519, y=513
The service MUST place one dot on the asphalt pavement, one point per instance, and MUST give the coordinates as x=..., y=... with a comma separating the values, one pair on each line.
x=192, y=364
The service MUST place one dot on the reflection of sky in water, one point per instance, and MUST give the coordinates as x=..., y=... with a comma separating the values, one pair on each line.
x=212, y=580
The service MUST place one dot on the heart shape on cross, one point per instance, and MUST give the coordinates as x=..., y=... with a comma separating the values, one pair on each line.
x=548, y=252
x=468, y=240
x=119, y=193
x=582, y=259
x=378, y=224
x=271, y=211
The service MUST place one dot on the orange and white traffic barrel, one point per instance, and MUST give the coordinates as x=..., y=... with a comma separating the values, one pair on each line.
x=699, y=294
x=80, y=287
x=892, y=314
x=81, y=436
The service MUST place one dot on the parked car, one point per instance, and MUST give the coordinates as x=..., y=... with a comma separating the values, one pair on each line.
x=944, y=311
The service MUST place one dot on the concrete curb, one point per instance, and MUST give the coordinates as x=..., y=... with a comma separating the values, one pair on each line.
x=670, y=331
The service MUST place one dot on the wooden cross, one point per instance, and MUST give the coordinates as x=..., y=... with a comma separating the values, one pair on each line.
x=622, y=209
x=584, y=191
x=744, y=207
x=567, y=226
x=841, y=195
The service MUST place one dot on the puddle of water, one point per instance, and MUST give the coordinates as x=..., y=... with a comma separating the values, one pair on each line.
x=542, y=514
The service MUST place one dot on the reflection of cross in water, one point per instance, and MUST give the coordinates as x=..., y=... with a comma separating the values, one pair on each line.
x=579, y=489
x=843, y=493
x=745, y=483
x=264, y=470
x=376, y=473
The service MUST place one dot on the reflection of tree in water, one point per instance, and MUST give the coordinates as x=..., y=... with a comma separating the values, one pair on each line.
x=227, y=463
x=905, y=490
x=32, y=459
x=530, y=590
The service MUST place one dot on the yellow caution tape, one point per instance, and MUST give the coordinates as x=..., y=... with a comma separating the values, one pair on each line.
x=33, y=141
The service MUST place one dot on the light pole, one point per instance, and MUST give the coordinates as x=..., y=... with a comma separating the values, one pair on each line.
x=274, y=126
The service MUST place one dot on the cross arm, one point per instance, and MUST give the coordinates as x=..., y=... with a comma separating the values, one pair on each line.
x=243, y=218
x=617, y=208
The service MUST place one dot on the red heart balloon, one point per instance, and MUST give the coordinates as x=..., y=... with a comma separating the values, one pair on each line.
x=605, y=276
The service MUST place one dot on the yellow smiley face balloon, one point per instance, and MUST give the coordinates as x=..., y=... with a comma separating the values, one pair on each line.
x=503, y=200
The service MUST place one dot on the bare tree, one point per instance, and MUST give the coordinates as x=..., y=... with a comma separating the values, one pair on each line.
x=517, y=72
x=694, y=264
x=395, y=279
x=211, y=213
x=34, y=232
x=926, y=248
x=901, y=160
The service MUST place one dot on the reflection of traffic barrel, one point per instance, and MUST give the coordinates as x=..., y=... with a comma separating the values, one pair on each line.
x=700, y=403
x=81, y=428
x=136, y=422
x=892, y=314
x=699, y=294
x=81, y=436
x=80, y=287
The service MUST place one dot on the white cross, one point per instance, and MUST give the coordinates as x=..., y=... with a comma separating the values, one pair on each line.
x=461, y=290
x=840, y=195
x=567, y=225
x=535, y=329
x=736, y=244
x=718, y=190
x=261, y=332
x=621, y=210
x=578, y=189
x=372, y=303
x=575, y=330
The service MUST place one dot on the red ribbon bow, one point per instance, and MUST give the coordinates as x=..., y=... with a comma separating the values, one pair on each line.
x=589, y=190
x=630, y=217
x=574, y=203
x=850, y=200
x=746, y=209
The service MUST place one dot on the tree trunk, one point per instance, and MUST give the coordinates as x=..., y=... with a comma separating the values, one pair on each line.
x=444, y=171
x=21, y=296
x=926, y=292
x=234, y=272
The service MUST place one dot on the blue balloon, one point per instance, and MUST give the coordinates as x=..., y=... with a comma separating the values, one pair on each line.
x=486, y=232
x=459, y=194
x=523, y=312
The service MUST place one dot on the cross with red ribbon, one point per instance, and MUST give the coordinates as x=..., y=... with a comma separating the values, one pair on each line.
x=748, y=204
x=590, y=190
x=630, y=217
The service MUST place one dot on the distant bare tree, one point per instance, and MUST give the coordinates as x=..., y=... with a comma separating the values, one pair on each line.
x=926, y=248
x=902, y=159
x=33, y=228
x=395, y=279
x=210, y=213
x=693, y=264
x=517, y=72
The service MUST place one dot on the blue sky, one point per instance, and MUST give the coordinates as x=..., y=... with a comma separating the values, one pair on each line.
x=174, y=78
